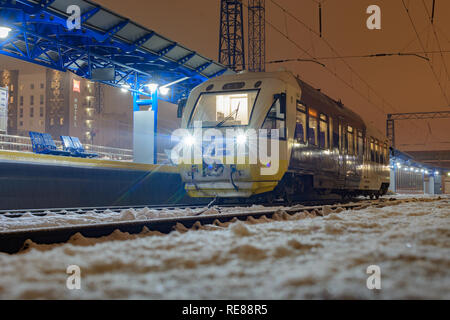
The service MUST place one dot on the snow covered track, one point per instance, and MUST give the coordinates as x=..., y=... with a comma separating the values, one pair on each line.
x=12, y=241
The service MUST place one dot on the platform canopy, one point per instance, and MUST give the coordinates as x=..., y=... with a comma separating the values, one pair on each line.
x=108, y=47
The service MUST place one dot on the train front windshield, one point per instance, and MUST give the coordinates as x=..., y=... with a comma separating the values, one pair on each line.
x=224, y=109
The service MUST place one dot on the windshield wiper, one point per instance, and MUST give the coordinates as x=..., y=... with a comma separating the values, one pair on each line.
x=229, y=117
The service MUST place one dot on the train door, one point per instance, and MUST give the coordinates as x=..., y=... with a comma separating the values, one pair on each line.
x=342, y=171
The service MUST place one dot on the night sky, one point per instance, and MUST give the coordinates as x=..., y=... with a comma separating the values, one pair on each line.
x=406, y=83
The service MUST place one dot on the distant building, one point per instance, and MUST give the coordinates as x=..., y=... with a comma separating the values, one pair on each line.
x=63, y=104
x=31, y=104
x=4, y=97
x=10, y=79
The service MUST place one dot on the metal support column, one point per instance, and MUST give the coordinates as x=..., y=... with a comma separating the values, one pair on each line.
x=390, y=130
x=256, y=35
x=231, y=41
x=145, y=129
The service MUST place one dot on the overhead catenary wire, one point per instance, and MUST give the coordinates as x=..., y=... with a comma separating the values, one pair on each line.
x=444, y=94
x=417, y=54
x=334, y=73
x=337, y=56
x=436, y=37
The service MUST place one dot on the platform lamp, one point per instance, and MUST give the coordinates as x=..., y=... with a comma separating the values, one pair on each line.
x=4, y=30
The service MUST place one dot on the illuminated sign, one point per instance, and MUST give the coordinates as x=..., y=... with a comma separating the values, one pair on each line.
x=76, y=86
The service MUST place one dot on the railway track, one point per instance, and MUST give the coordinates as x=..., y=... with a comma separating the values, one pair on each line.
x=66, y=211
x=13, y=241
x=100, y=209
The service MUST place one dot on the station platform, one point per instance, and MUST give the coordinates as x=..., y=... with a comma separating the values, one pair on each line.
x=33, y=181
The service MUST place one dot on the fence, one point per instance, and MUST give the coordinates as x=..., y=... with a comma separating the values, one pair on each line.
x=23, y=144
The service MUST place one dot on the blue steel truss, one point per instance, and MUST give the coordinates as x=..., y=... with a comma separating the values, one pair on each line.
x=137, y=56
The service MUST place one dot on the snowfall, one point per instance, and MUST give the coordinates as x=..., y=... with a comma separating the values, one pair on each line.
x=304, y=256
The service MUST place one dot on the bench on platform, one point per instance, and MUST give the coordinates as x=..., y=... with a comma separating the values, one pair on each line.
x=43, y=143
x=74, y=146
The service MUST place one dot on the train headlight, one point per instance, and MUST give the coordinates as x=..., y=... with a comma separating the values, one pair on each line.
x=189, y=141
x=241, y=138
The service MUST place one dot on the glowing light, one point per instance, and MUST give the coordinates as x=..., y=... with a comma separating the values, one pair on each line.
x=436, y=173
x=241, y=138
x=4, y=32
x=448, y=174
x=189, y=141
x=164, y=91
x=76, y=86
x=125, y=88
x=152, y=87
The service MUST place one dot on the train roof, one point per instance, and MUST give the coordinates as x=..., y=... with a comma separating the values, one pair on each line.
x=310, y=96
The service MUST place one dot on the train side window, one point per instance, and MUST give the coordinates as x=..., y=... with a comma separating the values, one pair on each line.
x=323, y=132
x=300, y=125
x=360, y=144
x=312, y=129
x=276, y=119
x=367, y=149
x=386, y=155
x=380, y=153
x=377, y=152
x=330, y=123
x=350, y=141
x=372, y=150
x=340, y=139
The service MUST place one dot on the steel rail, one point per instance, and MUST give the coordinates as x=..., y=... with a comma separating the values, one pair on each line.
x=13, y=241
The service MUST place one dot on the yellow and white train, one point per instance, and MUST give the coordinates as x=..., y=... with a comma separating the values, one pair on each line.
x=322, y=146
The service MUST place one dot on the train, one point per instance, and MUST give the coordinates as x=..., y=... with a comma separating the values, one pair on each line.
x=318, y=145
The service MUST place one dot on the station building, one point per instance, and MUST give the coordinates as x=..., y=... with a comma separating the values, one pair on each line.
x=411, y=176
x=64, y=104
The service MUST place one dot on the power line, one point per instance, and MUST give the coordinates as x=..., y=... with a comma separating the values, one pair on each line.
x=337, y=56
x=435, y=35
x=369, y=87
x=423, y=48
x=334, y=51
x=375, y=55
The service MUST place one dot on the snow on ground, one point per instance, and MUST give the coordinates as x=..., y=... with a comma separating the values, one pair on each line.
x=64, y=218
x=302, y=258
